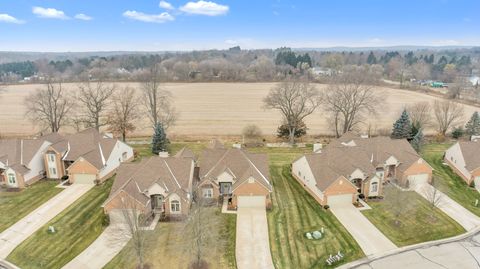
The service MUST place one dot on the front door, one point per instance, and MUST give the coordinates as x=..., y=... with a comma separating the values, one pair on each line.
x=225, y=188
x=157, y=202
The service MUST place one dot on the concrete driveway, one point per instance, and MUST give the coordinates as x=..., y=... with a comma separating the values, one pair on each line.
x=457, y=212
x=464, y=254
x=107, y=245
x=370, y=239
x=18, y=232
x=252, y=247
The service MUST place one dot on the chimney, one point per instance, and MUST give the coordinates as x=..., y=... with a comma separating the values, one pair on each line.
x=317, y=147
x=163, y=154
x=237, y=145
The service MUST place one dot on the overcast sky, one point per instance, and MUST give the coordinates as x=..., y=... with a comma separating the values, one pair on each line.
x=95, y=25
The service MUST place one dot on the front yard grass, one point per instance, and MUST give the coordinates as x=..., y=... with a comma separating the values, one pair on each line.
x=76, y=228
x=16, y=205
x=172, y=249
x=447, y=181
x=417, y=225
x=296, y=212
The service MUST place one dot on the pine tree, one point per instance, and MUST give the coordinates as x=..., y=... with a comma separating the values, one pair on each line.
x=371, y=58
x=159, y=139
x=473, y=125
x=417, y=141
x=402, y=128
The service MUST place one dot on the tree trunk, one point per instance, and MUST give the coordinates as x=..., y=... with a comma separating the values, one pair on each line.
x=292, y=135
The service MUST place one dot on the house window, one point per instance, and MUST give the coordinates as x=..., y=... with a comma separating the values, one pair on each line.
x=175, y=206
x=207, y=193
x=11, y=178
x=299, y=173
x=53, y=171
x=251, y=180
x=374, y=187
x=51, y=158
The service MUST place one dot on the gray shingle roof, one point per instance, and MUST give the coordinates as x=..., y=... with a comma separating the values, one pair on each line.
x=471, y=154
x=348, y=153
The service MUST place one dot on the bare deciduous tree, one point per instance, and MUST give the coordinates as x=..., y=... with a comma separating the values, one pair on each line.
x=447, y=114
x=252, y=133
x=420, y=114
x=458, y=87
x=133, y=222
x=349, y=98
x=295, y=99
x=397, y=202
x=94, y=99
x=200, y=229
x=49, y=106
x=156, y=100
x=124, y=112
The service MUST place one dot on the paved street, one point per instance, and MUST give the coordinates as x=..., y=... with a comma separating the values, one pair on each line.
x=463, y=254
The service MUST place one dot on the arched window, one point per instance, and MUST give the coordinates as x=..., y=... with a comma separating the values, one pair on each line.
x=175, y=206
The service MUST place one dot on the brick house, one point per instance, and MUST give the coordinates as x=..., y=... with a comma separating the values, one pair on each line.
x=234, y=174
x=86, y=157
x=154, y=186
x=352, y=165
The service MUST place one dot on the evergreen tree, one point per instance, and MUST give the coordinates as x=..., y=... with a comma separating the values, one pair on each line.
x=417, y=141
x=457, y=132
x=473, y=125
x=371, y=58
x=402, y=128
x=159, y=139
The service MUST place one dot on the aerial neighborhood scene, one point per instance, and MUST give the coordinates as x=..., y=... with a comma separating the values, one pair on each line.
x=239, y=134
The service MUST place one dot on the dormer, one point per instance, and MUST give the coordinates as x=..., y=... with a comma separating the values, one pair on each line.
x=157, y=189
x=226, y=176
x=391, y=161
x=357, y=174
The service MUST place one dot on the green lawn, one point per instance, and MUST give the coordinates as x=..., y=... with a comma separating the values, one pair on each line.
x=145, y=150
x=449, y=182
x=16, y=205
x=171, y=249
x=77, y=227
x=417, y=224
x=296, y=212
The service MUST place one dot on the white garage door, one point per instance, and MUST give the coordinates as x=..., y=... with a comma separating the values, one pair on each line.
x=339, y=200
x=415, y=181
x=251, y=201
x=83, y=178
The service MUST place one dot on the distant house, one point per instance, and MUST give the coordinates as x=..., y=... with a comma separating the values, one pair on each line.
x=154, y=186
x=234, y=174
x=464, y=159
x=320, y=71
x=354, y=165
x=86, y=157
x=21, y=161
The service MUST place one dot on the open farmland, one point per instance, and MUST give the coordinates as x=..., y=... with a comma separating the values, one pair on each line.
x=214, y=109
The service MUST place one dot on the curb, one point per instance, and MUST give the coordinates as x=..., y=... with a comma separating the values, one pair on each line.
x=374, y=257
x=7, y=265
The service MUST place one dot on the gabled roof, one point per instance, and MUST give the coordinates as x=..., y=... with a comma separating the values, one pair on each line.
x=243, y=165
x=174, y=174
x=89, y=144
x=471, y=154
x=348, y=153
x=18, y=153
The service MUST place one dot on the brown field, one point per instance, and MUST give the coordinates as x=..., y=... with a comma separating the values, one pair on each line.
x=215, y=109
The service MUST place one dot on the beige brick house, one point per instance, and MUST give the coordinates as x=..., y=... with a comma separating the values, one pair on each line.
x=154, y=186
x=234, y=174
x=351, y=165
x=86, y=157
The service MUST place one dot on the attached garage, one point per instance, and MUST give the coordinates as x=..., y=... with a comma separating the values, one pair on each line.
x=83, y=178
x=251, y=201
x=340, y=199
x=417, y=180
